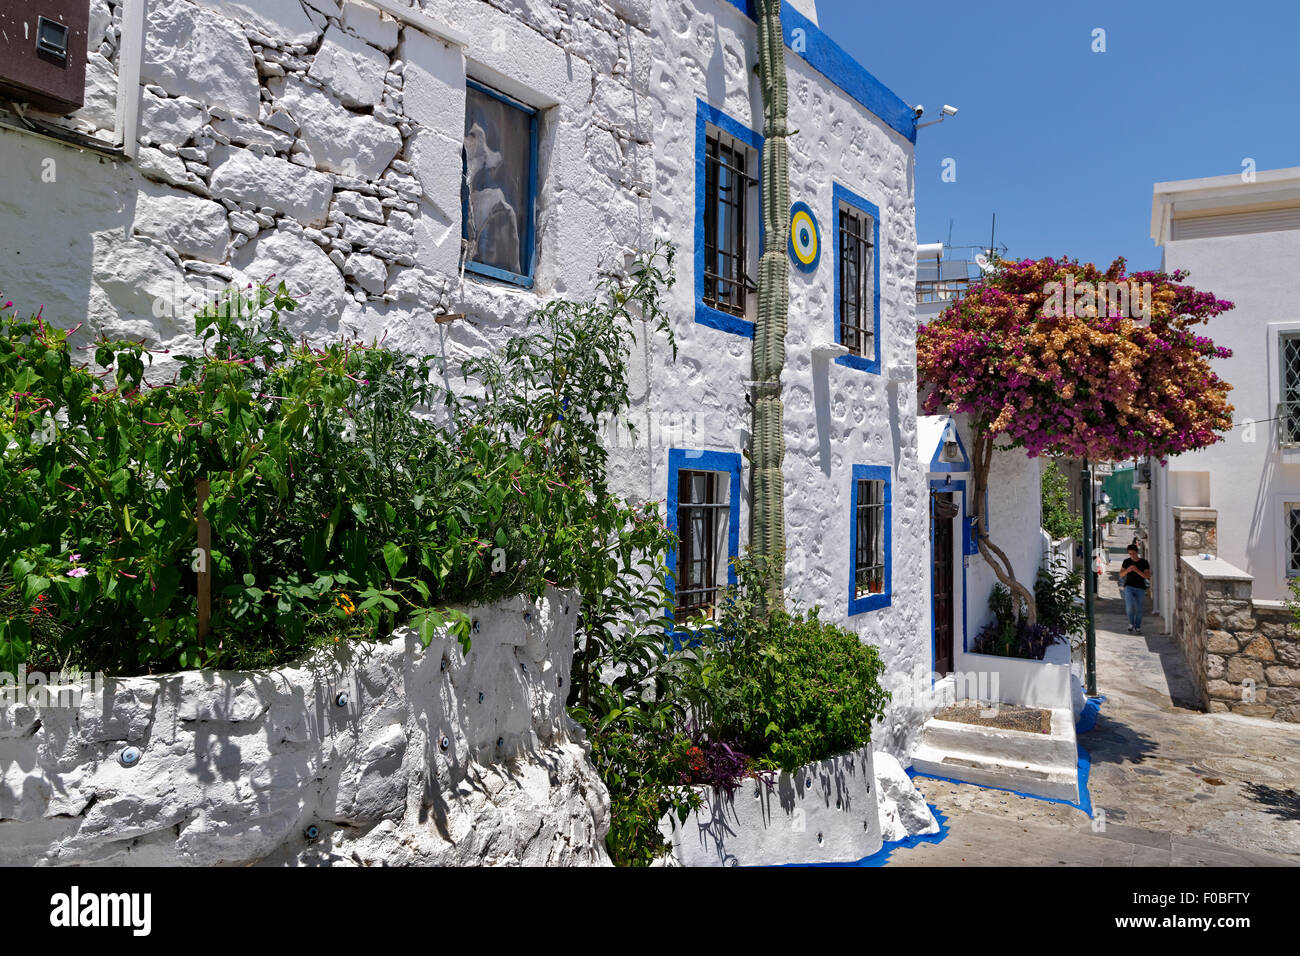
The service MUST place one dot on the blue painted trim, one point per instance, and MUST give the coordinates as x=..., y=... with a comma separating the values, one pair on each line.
x=822, y=53
x=870, y=602
x=963, y=465
x=947, y=484
x=704, y=116
x=798, y=263
x=1091, y=711
x=1084, y=769
x=503, y=275
x=841, y=194
x=530, y=222
x=727, y=462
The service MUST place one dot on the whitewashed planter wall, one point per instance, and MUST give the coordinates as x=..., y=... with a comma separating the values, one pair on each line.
x=383, y=753
x=825, y=812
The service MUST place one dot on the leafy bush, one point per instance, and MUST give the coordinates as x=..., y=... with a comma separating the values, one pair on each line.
x=348, y=491
x=786, y=688
x=1056, y=595
x=1057, y=519
x=1010, y=634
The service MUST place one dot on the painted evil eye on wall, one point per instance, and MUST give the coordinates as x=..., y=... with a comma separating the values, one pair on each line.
x=805, y=238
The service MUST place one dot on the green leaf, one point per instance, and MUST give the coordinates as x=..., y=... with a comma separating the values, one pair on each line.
x=394, y=558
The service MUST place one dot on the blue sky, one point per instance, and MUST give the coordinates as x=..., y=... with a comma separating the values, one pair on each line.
x=1062, y=143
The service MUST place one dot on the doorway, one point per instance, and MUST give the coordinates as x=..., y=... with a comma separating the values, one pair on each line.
x=943, y=511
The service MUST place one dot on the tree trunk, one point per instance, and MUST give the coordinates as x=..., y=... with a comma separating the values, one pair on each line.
x=994, y=555
x=767, y=528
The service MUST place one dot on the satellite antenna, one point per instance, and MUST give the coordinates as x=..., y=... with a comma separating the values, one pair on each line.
x=982, y=261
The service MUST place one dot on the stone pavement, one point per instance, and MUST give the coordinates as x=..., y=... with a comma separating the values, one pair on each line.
x=1177, y=787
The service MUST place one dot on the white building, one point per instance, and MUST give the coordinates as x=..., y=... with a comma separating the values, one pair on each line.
x=326, y=142
x=1240, y=240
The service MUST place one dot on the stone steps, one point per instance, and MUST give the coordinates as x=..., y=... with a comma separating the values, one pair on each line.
x=1044, y=765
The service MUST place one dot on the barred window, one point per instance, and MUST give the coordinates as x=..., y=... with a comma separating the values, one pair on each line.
x=1289, y=411
x=857, y=276
x=1292, y=531
x=728, y=195
x=869, y=556
x=702, y=515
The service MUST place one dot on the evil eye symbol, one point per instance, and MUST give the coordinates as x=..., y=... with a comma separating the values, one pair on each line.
x=805, y=237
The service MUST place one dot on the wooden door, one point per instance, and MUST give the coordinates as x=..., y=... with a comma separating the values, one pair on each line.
x=942, y=513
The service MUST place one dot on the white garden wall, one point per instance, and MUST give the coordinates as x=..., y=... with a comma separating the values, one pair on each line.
x=371, y=754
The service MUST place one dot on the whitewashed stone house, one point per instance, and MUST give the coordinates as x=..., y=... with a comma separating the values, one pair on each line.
x=326, y=142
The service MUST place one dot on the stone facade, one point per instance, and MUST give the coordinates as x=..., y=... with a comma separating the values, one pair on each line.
x=1243, y=653
x=373, y=754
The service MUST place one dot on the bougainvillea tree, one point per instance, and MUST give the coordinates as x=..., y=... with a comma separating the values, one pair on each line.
x=1062, y=358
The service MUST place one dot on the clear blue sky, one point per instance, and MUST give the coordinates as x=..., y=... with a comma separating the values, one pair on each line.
x=1062, y=143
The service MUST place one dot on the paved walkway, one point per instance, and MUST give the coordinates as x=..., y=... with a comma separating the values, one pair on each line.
x=1177, y=787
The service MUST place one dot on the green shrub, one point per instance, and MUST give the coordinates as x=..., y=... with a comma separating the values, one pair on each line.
x=1057, y=519
x=786, y=688
x=1056, y=596
x=1010, y=634
x=336, y=510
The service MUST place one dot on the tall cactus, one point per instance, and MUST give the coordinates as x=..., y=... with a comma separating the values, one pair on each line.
x=767, y=485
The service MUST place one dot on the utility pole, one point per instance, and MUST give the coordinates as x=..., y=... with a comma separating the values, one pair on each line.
x=1089, y=604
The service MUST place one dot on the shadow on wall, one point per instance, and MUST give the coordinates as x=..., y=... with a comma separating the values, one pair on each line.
x=57, y=204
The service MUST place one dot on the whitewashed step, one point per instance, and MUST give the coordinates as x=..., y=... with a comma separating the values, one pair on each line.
x=1044, y=765
x=1056, y=748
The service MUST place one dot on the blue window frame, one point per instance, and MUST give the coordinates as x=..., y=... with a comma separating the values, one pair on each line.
x=857, y=283
x=498, y=185
x=686, y=518
x=705, y=117
x=870, y=539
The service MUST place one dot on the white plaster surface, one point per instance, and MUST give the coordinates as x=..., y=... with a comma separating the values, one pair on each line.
x=431, y=758
x=902, y=808
x=822, y=813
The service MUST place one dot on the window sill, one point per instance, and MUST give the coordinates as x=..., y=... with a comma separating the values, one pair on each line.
x=723, y=321
x=869, y=602
x=501, y=275
x=859, y=362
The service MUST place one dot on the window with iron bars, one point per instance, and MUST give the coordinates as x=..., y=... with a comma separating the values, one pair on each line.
x=728, y=193
x=702, y=514
x=1292, y=531
x=1288, y=413
x=857, y=321
x=869, y=560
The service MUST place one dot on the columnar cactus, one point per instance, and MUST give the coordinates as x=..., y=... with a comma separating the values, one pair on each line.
x=767, y=530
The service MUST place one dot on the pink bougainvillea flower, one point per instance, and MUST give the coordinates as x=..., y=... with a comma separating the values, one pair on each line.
x=78, y=573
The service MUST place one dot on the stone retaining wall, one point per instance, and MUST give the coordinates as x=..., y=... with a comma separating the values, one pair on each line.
x=366, y=754
x=1244, y=654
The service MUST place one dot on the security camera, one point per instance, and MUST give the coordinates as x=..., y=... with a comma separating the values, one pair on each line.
x=949, y=110
x=920, y=110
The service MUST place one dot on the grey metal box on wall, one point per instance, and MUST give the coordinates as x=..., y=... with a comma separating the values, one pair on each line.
x=43, y=53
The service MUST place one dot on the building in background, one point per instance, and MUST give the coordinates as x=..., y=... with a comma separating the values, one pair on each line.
x=1240, y=240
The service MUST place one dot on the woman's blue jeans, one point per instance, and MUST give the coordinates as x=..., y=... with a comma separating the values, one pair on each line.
x=1133, y=601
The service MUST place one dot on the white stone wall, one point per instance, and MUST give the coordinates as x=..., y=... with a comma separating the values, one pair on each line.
x=429, y=757
x=835, y=417
x=320, y=143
